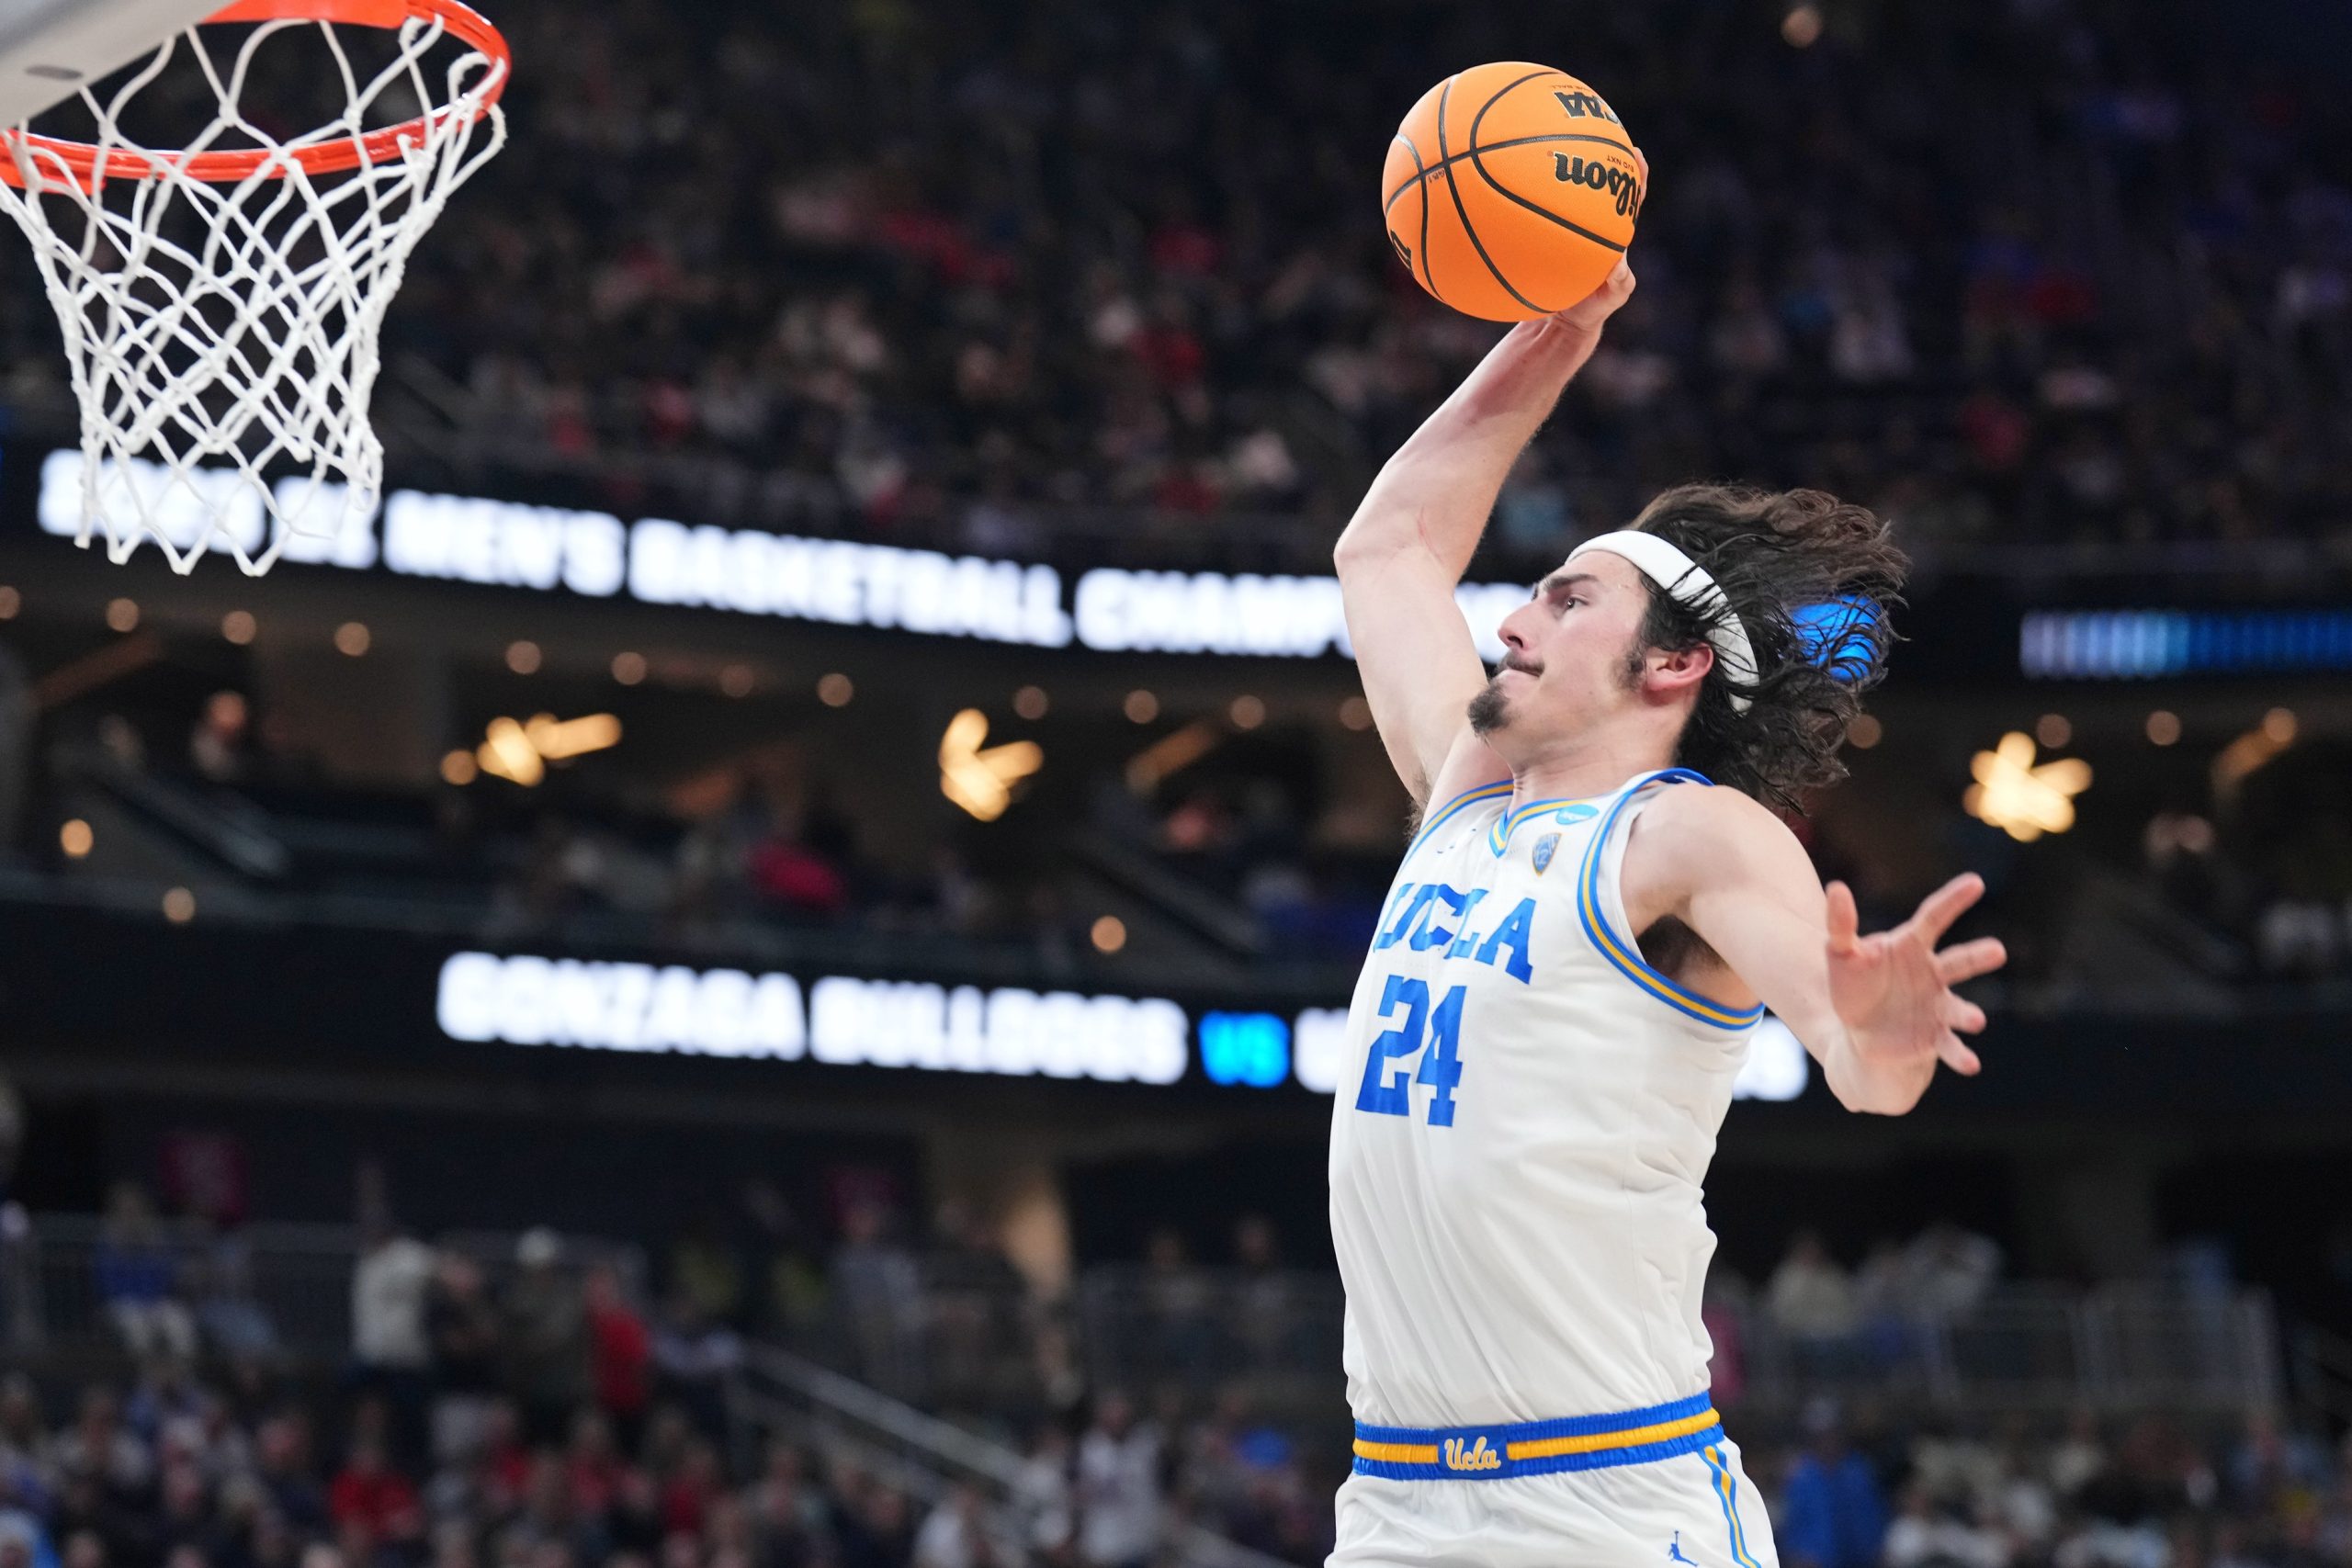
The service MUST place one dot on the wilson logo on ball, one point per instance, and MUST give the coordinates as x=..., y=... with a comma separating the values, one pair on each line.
x=1580, y=104
x=1597, y=175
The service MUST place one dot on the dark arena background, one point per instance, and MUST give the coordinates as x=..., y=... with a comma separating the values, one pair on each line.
x=752, y=978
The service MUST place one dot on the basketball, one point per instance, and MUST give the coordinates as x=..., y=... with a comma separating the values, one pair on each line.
x=1511, y=190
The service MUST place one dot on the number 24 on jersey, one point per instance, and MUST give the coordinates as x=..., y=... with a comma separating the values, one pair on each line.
x=1387, y=1093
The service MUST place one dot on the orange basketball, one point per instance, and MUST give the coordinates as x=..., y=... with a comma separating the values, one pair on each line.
x=1511, y=190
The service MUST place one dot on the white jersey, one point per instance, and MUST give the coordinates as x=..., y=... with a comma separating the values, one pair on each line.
x=1521, y=1129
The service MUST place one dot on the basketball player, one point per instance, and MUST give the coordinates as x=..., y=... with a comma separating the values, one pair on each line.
x=1583, y=934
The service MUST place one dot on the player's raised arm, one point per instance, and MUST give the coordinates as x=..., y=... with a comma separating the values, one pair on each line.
x=1412, y=539
x=1877, y=1011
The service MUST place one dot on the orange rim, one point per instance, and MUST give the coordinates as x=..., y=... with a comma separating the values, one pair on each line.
x=460, y=20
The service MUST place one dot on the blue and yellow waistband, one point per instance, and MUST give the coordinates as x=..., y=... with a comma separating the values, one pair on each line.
x=1537, y=1448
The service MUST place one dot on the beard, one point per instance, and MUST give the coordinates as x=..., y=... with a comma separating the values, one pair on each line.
x=1489, y=710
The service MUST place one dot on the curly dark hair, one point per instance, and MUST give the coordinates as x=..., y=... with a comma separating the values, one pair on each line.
x=1776, y=554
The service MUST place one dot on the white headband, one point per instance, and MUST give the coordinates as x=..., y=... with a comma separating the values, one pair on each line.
x=1680, y=577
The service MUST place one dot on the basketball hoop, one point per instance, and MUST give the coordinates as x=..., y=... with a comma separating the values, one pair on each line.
x=222, y=303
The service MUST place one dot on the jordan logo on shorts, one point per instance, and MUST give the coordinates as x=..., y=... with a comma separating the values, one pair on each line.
x=1674, y=1550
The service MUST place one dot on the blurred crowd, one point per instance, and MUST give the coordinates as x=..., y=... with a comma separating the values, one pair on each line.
x=177, y=1471
x=2282, y=895
x=530, y=1409
x=2145, y=1493
x=1835, y=1320
x=2063, y=271
x=173, y=1471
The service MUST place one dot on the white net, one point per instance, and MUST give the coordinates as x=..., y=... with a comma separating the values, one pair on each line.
x=222, y=301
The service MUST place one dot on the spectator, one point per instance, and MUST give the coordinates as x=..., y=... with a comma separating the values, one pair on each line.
x=1810, y=1296
x=285, y=1469
x=1948, y=1270
x=620, y=1350
x=24, y=1446
x=100, y=1450
x=462, y=1329
x=20, y=1324
x=1118, y=1488
x=137, y=1278
x=371, y=1502
x=706, y=1269
x=693, y=1359
x=228, y=1308
x=955, y=1534
x=1924, y=1535
x=23, y=1543
x=1044, y=1495
x=877, y=1297
x=388, y=1286
x=546, y=1337
x=1832, y=1514
x=1265, y=1312
x=219, y=746
x=167, y=1397
x=1175, y=1301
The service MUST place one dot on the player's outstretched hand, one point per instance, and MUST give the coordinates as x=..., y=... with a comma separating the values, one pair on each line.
x=1893, y=989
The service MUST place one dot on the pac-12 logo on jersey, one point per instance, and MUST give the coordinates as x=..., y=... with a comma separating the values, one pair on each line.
x=1545, y=848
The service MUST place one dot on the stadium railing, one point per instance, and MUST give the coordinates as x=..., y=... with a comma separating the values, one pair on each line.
x=294, y=1278
x=778, y=1393
x=2022, y=1349
x=945, y=1341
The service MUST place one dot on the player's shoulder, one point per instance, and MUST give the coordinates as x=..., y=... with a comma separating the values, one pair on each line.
x=1703, y=826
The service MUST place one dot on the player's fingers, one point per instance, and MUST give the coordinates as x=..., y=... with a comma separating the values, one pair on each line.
x=1945, y=905
x=1587, y=314
x=1962, y=1016
x=1967, y=960
x=1954, y=1054
x=1641, y=162
x=1845, y=920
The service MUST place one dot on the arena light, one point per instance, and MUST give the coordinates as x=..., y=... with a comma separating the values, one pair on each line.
x=981, y=780
x=557, y=739
x=508, y=753
x=2253, y=751
x=1171, y=753
x=520, y=753
x=2022, y=798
